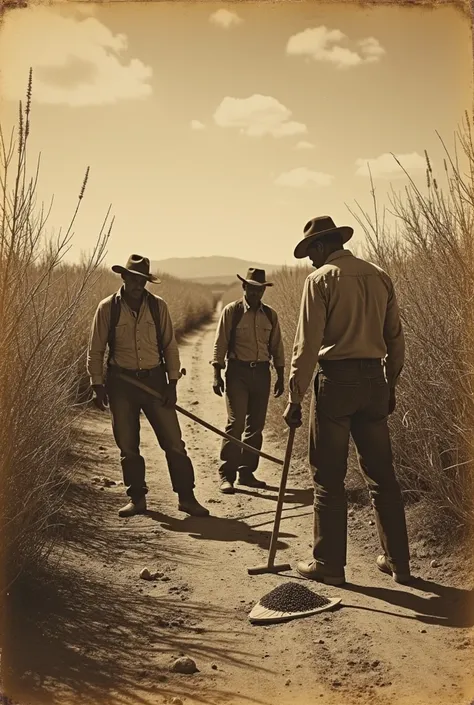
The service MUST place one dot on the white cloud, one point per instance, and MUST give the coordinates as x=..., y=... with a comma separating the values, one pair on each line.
x=257, y=115
x=323, y=44
x=225, y=18
x=197, y=125
x=305, y=145
x=371, y=49
x=386, y=166
x=80, y=64
x=302, y=177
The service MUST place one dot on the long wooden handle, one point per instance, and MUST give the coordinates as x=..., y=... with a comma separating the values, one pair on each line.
x=156, y=394
x=281, y=496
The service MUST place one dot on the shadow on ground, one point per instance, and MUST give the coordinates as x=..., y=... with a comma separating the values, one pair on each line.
x=68, y=639
x=69, y=632
x=214, y=528
x=445, y=606
x=302, y=497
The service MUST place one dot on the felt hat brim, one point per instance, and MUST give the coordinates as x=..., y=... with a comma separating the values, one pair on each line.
x=302, y=247
x=254, y=283
x=118, y=269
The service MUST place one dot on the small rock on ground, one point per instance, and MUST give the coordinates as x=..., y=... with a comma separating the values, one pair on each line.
x=184, y=665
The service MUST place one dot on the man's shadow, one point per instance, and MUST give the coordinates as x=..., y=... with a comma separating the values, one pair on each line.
x=214, y=528
x=447, y=606
x=292, y=496
x=297, y=499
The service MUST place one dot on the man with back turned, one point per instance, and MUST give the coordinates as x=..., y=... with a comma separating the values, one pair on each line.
x=349, y=323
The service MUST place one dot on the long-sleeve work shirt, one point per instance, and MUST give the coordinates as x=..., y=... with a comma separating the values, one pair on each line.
x=252, y=337
x=136, y=345
x=348, y=310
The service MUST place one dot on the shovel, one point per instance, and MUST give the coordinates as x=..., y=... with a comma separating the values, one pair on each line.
x=270, y=567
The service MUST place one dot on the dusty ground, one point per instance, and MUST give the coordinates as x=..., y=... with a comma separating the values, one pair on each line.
x=108, y=636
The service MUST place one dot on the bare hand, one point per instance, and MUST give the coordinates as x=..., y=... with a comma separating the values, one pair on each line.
x=218, y=385
x=170, y=396
x=100, y=398
x=292, y=415
x=279, y=388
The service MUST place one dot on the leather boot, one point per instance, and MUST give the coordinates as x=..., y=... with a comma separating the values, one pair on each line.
x=312, y=570
x=226, y=487
x=189, y=504
x=135, y=506
x=400, y=573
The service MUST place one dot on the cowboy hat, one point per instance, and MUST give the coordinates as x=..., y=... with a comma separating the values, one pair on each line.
x=317, y=228
x=136, y=264
x=255, y=277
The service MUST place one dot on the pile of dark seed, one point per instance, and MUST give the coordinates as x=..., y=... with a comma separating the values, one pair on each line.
x=292, y=597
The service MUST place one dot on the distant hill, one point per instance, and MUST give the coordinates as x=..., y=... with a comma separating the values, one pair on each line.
x=224, y=281
x=209, y=270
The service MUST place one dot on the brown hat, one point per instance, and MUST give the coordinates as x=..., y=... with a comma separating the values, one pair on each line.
x=317, y=228
x=255, y=277
x=137, y=264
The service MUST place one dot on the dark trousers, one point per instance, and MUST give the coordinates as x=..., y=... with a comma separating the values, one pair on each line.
x=351, y=397
x=247, y=394
x=126, y=402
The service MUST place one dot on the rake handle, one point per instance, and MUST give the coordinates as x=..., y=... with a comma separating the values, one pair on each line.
x=157, y=395
x=281, y=496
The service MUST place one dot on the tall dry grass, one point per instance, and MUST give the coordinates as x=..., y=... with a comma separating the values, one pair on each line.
x=37, y=377
x=430, y=256
x=46, y=309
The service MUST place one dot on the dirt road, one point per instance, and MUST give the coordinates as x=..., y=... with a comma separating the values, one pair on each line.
x=111, y=636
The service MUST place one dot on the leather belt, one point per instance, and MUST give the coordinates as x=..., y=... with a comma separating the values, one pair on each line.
x=362, y=361
x=248, y=364
x=139, y=374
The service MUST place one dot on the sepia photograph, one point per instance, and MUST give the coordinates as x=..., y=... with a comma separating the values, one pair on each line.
x=236, y=352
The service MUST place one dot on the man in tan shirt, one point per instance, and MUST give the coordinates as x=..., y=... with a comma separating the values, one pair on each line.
x=349, y=323
x=248, y=337
x=136, y=327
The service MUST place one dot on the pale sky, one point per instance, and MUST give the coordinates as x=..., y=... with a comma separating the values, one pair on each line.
x=223, y=128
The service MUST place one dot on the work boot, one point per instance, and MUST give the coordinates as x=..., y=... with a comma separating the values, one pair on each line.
x=189, y=504
x=251, y=481
x=135, y=506
x=226, y=487
x=400, y=573
x=312, y=570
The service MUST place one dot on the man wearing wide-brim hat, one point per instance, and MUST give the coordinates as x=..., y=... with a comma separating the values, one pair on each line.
x=136, y=327
x=349, y=323
x=248, y=338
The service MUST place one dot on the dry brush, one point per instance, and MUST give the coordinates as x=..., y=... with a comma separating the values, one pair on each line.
x=430, y=256
x=46, y=308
